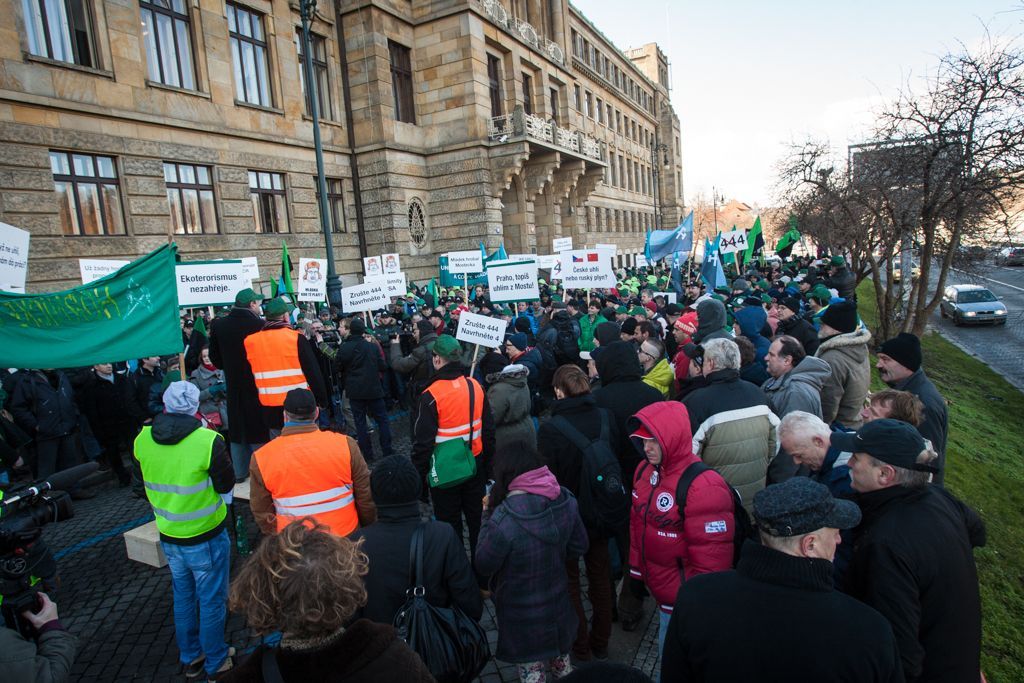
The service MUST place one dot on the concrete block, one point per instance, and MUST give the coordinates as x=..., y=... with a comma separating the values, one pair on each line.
x=242, y=490
x=143, y=545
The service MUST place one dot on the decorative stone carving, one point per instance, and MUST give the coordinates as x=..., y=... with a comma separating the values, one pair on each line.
x=417, y=223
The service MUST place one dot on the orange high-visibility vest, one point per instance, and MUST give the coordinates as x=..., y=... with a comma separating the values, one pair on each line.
x=453, y=422
x=274, y=357
x=310, y=475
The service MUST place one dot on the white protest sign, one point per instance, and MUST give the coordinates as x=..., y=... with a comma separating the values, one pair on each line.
x=94, y=268
x=587, y=268
x=209, y=283
x=641, y=260
x=312, y=280
x=392, y=264
x=373, y=266
x=547, y=261
x=670, y=297
x=479, y=329
x=733, y=241
x=368, y=296
x=13, y=258
x=395, y=284
x=465, y=262
x=252, y=268
x=513, y=281
x=614, y=248
x=560, y=244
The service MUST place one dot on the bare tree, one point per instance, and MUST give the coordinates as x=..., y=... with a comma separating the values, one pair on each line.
x=946, y=167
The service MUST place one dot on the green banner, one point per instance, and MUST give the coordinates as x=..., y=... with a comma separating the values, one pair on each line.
x=448, y=280
x=131, y=313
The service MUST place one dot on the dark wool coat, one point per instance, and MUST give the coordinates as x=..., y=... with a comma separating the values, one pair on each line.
x=935, y=426
x=802, y=331
x=447, y=575
x=523, y=547
x=624, y=393
x=364, y=652
x=227, y=352
x=738, y=626
x=42, y=411
x=913, y=561
x=360, y=364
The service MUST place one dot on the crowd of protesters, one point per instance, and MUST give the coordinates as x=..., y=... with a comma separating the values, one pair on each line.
x=713, y=454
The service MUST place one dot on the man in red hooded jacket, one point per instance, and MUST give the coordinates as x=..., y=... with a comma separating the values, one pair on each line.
x=668, y=545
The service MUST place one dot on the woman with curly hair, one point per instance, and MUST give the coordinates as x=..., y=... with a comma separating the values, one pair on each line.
x=307, y=583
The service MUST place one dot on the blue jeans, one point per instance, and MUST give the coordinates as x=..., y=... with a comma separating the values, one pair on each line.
x=662, y=630
x=200, y=574
x=374, y=406
x=241, y=454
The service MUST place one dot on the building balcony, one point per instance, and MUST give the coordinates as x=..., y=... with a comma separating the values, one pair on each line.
x=494, y=11
x=519, y=124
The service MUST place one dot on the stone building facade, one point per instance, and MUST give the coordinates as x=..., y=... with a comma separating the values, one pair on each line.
x=446, y=123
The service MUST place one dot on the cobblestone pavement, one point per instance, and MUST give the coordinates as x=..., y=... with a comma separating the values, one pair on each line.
x=999, y=346
x=121, y=610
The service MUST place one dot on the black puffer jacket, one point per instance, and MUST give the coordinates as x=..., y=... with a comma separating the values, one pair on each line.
x=359, y=364
x=913, y=561
x=44, y=404
x=624, y=393
x=447, y=575
x=802, y=331
x=560, y=454
x=844, y=282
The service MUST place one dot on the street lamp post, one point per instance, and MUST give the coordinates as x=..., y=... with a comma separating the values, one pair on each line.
x=655, y=148
x=307, y=9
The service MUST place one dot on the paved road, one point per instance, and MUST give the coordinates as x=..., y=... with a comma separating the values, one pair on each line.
x=1001, y=346
x=121, y=610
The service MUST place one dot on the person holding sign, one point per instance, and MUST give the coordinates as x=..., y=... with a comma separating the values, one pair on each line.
x=282, y=359
x=454, y=440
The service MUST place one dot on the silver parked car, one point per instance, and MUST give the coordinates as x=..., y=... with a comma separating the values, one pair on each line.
x=971, y=304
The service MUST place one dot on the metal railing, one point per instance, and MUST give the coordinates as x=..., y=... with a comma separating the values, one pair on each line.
x=519, y=123
x=521, y=29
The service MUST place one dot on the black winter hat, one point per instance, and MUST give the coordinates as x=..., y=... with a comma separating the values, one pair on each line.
x=606, y=333
x=792, y=303
x=523, y=325
x=841, y=316
x=424, y=326
x=357, y=327
x=629, y=326
x=394, y=481
x=905, y=349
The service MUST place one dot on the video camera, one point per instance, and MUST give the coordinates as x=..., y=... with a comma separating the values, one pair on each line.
x=24, y=512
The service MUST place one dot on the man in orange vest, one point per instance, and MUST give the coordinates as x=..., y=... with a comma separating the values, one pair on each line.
x=307, y=472
x=443, y=414
x=282, y=360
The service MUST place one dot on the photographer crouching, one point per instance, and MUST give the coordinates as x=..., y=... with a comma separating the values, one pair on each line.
x=46, y=655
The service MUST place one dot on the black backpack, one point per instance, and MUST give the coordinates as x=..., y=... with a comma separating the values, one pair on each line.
x=744, y=527
x=567, y=347
x=604, y=500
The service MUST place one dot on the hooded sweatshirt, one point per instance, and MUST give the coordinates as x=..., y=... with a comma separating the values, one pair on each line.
x=752, y=320
x=711, y=320
x=660, y=377
x=667, y=546
x=523, y=546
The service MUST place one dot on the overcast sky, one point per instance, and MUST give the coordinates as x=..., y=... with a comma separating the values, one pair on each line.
x=749, y=77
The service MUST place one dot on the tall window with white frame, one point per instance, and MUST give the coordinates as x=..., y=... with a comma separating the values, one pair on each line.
x=269, y=202
x=190, y=196
x=335, y=203
x=494, y=84
x=61, y=30
x=88, y=193
x=249, y=56
x=166, y=30
x=401, y=82
x=320, y=75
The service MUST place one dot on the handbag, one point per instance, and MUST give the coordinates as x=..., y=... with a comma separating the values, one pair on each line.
x=452, y=461
x=452, y=646
x=213, y=419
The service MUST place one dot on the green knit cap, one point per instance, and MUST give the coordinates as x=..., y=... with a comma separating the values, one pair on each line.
x=448, y=347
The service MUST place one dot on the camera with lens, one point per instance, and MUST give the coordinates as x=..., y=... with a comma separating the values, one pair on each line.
x=25, y=560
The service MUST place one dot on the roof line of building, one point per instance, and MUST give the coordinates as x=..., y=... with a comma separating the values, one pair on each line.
x=615, y=47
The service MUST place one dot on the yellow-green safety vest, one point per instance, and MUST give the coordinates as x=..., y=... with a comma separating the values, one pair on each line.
x=178, y=484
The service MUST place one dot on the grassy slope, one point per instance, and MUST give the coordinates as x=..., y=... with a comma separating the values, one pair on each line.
x=985, y=460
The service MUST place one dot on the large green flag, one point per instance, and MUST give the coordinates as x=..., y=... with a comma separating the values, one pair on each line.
x=787, y=241
x=283, y=284
x=755, y=241
x=131, y=313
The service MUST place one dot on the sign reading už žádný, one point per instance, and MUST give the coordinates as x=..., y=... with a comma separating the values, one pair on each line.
x=93, y=269
x=733, y=241
x=547, y=262
x=465, y=262
x=392, y=264
x=312, y=280
x=365, y=297
x=209, y=283
x=396, y=285
x=252, y=268
x=513, y=281
x=560, y=244
x=13, y=258
x=481, y=329
x=641, y=260
x=587, y=268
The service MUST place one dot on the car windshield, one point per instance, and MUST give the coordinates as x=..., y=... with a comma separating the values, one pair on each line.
x=975, y=296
